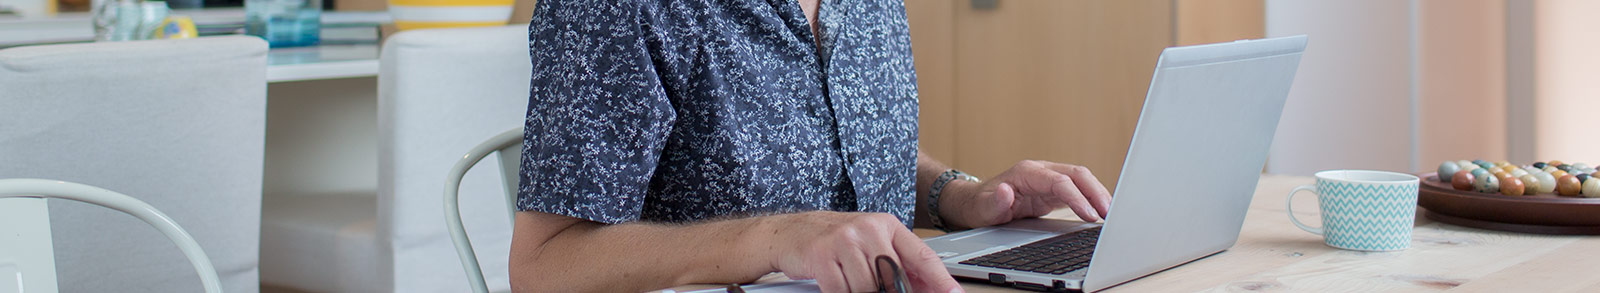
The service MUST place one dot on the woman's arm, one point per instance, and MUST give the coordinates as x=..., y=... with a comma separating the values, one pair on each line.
x=1029, y=189
x=553, y=253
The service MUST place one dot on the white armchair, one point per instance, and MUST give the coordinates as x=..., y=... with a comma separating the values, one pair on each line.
x=178, y=122
x=440, y=92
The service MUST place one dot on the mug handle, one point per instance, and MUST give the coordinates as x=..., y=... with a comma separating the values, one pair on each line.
x=1289, y=206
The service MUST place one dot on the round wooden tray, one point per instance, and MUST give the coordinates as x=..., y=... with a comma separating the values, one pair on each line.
x=1540, y=214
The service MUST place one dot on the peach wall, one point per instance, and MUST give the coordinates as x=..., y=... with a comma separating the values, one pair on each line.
x=1567, y=80
x=1462, y=81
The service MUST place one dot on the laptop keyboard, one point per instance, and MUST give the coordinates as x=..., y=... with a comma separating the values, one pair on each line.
x=1055, y=255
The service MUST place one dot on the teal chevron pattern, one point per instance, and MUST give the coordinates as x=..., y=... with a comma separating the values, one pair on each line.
x=1367, y=216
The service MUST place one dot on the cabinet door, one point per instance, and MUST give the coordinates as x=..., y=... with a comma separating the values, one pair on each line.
x=1053, y=80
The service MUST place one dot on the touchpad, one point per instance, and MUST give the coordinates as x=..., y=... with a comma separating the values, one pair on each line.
x=1001, y=236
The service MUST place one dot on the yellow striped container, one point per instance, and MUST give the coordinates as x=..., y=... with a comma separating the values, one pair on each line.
x=423, y=14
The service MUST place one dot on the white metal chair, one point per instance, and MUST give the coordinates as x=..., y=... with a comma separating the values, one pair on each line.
x=509, y=145
x=40, y=189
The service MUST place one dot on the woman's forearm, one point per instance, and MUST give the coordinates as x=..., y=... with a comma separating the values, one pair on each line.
x=552, y=253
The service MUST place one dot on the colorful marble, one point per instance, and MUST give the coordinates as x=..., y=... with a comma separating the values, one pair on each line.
x=1548, y=169
x=1503, y=176
x=1511, y=186
x=1462, y=180
x=1518, y=172
x=1555, y=163
x=1539, y=165
x=1502, y=163
x=1530, y=184
x=1558, y=173
x=1477, y=173
x=1591, y=188
x=1486, y=165
x=1568, y=186
x=1581, y=166
x=1487, y=184
x=1446, y=169
x=1582, y=178
x=1547, y=183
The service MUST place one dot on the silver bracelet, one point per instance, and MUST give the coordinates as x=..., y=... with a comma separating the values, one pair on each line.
x=937, y=189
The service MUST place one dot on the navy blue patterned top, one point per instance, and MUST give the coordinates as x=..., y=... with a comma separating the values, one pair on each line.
x=686, y=110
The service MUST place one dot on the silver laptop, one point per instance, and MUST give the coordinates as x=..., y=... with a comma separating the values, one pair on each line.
x=1191, y=170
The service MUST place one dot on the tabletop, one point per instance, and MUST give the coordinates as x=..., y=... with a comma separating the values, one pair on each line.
x=1273, y=255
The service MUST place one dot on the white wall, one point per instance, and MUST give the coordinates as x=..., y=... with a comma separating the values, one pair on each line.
x=1395, y=85
x=1350, y=107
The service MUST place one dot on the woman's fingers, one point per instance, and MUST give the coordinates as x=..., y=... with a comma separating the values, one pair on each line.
x=1088, y=185
x=829, y=277
x=857, y=271
x=1065, y=189
x=922, y=265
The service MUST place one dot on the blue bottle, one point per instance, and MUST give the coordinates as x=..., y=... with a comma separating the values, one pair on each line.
x=284, y=23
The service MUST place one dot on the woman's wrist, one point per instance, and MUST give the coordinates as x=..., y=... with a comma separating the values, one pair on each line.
x=956, y=195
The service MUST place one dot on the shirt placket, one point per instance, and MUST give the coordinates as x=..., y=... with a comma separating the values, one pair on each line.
x=830, y=24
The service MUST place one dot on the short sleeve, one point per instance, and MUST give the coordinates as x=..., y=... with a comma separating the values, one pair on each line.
x=597, y=113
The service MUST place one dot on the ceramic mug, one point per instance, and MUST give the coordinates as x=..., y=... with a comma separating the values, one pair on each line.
x=1363, y=210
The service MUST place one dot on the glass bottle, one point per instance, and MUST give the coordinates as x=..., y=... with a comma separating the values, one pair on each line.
x=284, y=23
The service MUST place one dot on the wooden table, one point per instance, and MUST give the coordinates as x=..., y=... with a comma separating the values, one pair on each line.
x=1273, y=255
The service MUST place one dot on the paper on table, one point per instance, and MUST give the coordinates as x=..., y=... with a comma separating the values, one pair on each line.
x=806, y=286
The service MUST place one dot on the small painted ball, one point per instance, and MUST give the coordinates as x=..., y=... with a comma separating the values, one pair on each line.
x=1530, y=184
x=1503, y=176
x=1558, y=173
x=1487, y=184
x=1479, y=173
x=1486, y=165
x=1580, y=166
x=1480, y=162
x=1462, y=180
x=1538, y=165
x=1567, y=168
x=1511, y=186
x=1507, y=168
x=1547, y=183
x=1555, y=163
x=1518, y=172
x=1568, y=186
x=1464, y=163
x=1446, y=169
x=1582, y=178
x=1502, y=163
x=1591, y=188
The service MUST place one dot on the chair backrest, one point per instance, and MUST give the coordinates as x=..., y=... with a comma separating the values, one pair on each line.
x=509, y=145
x=27, y=262
x=180, y=123
x=40, y=188
x=441, y=91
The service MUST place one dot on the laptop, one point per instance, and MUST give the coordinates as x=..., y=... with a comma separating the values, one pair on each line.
x=1191, y=170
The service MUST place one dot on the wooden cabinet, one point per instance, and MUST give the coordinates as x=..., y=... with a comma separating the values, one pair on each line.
x=1060, y=80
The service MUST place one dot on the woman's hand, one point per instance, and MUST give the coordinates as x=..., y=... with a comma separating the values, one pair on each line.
x=1029, y=189
x=839, y=249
